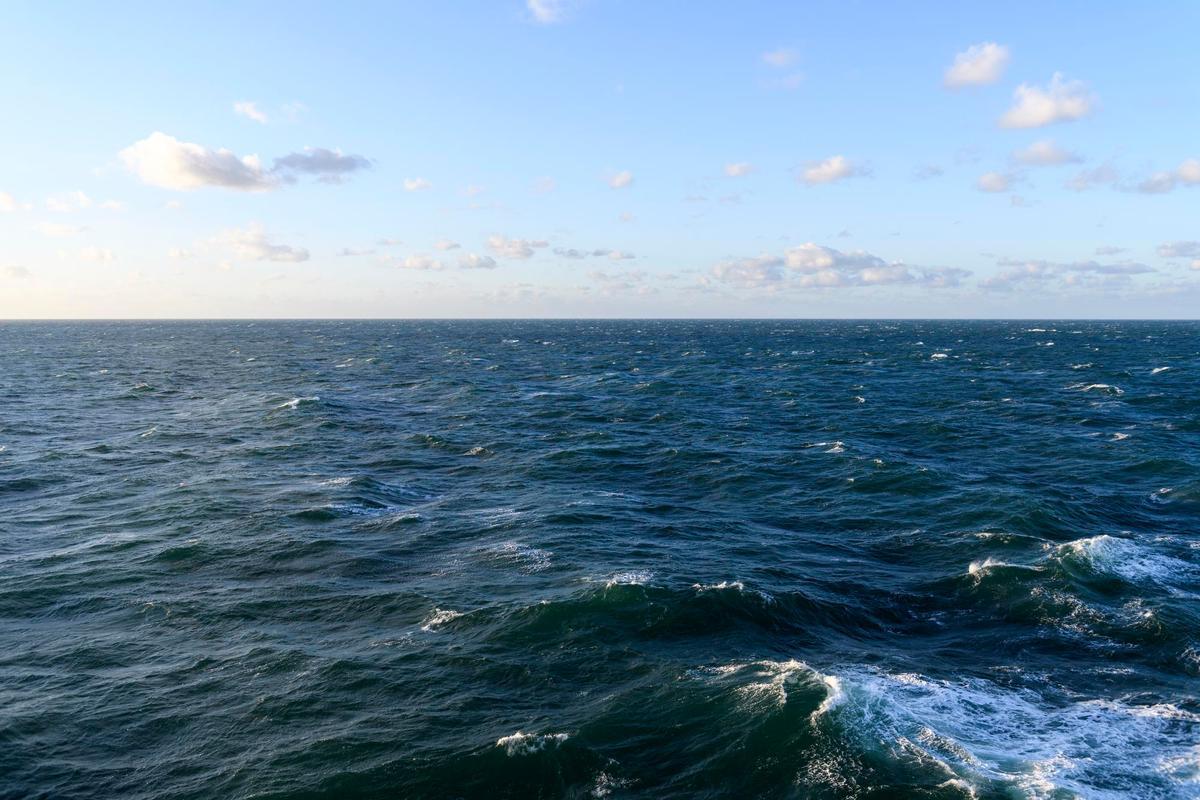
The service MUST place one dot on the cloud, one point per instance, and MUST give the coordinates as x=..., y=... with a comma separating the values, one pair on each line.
x=545, y=185
x=1044, y=153
x=416, y=184
x=547, y=12
x=164, y=161
x=330, y=166
x=814, y=266
x=1103, y=175
x=978, y=65
x=994, y=182
x=355, y=251
x=834, y=168
x=621, y=180
x=514, y=248
x=1039, y=272
x=251, y=244
x=1187, y=174
x=71, y=201
x=249, y=110
x=612, y=255
x=475, y=261
x=100, y=255
x=9, y=204
x=927, y=171
x=1109, y=250
x=738, y=169
x=60, y=231
x=16, y=272
x=419, y=261
x=1035, y=107
x=1179, y=250
x=783, y=57
x=446, y=244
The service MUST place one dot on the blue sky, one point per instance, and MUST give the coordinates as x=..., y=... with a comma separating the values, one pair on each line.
x=600, y=158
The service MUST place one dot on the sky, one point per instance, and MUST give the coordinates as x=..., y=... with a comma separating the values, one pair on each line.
x=599, y=158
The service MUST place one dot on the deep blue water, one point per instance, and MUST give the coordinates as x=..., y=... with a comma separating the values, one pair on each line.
x=589, y=559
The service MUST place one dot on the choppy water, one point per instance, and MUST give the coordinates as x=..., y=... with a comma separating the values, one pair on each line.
x=590, y=559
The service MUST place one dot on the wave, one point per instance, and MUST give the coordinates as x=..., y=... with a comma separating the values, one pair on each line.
x=439, y=617
x=1123, y=558
x=983, y=734
x=524, y=744
x=296, y=402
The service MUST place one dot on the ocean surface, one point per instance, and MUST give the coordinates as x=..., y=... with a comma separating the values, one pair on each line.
x=637, y=559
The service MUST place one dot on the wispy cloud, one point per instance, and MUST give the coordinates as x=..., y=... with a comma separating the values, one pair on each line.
x=250, y=110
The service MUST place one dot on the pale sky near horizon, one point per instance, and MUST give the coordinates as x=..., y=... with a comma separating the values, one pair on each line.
x=597, y=158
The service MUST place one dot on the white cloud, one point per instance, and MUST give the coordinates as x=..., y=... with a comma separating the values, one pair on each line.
x=60, y=231
x=514, y=248
x=173, y=205
x=1044, y=153
x=815, y=266
x=446, y=244
x=330, y=166
x=164, y=161
x=993, y=182
x=978, y=65
x=98, y=254
x=1038, y=272
x=1179, y=250
x=475, y=261
x=1109, y=250
x=1061, y=101
x=1189, y=171
x=473, y=190
x=355, y=251
x=1103, y=175
x=251, y=244
x=416, y=184
x=9, y=204
x=738, y=169
x=419, y=261
x=621, y=180
x=250, y=110
x=927, y=171
x=71, y=201
x=112, y=205
x=834, y=168
x=546, y=11
x=545, y=185
x=783, y=57
x=16, y=271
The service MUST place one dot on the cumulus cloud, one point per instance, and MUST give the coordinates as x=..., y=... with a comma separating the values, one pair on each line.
x=251, y=244
x=547, y=12
x=928, y=171
x=621, y=180
x=1039, y=273
x=1044, y=153
x=1103, y=175
x=250, y=110
x=476, y=261
x=330, y=166
x=834, y=168
x=60, y=231
x=738, y=169
x=164, y=161
x=1179, y=250
x=1060, y=101
x=70, y=201
x=100, y=255
x=978, y=65
x=419, y=261
x=355, y=251
x=783, y=57
x=9, y=204
x=1189, y=171
x=994, y=182
x=514, y=248
x=416, y=184
x=1186, y=174
x=602, y=252
x=815, y=266
x=1109, y=250
x=446, y=244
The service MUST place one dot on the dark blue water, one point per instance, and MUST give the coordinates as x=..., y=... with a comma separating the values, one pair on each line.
x=600, y=559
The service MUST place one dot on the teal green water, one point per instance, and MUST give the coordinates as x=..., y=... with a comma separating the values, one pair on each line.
x=600, y=559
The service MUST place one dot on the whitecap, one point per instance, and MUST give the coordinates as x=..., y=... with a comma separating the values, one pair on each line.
x=524, y=744
x=439, y=617
x=1097, y=387
x=1119, y=436
x=1124, y=558
x=476, y=451
x=529, y=558
x=630, y=578
x=938, y=356
x=1157, y=370
x=295, y=402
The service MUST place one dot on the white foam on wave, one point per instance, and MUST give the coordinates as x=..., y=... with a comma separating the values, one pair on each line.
x=1124, y=558
x=1157, y=370
x=1097, y=387
x=637, y=577
x=295, y=402
x=527, y=557
x=524, y=744
x=938, y=356
x=439, y=617
x=978, y=732
x=732, y=586
x=1117, y=437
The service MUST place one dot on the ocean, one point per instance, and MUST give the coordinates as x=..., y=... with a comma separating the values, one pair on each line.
x=626, y=559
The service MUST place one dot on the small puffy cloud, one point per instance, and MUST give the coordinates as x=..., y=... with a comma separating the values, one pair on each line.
x=355, y=251
x=834, y=168
x=815, y=266
x=164, y=161
x=173, y=205
x=994, y=182
x=15, y=272
x=1109, y=250
x=252, y=244
x=249, y=110
x=600, y=252
x=514, y=248
x=978, y=65
x=547, y=12
x=927, y=171
x=1103, y=175
x=100, y=255
x=9, y=204
x=476, y=261
x=1186, y=174
x=446, y=244
x=1060, y=101
x=474, y=190
x=416, y=184
x=621, y=179
x=783, y=57
x=71, y=201
x=419, y=261
x=1179, y=250
x=1044, y=153
x=1189, y=172
x=60, y=231
x=738, y=169
x=330, y=166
